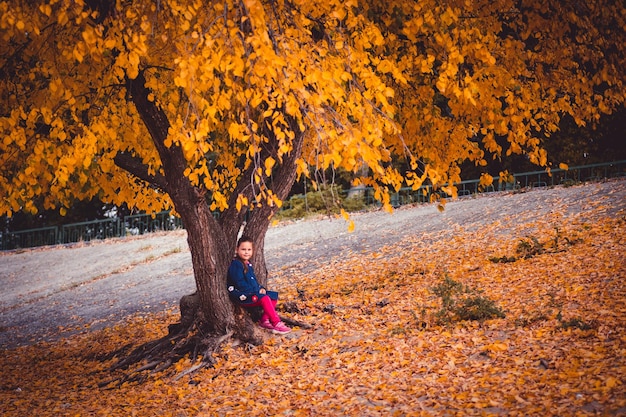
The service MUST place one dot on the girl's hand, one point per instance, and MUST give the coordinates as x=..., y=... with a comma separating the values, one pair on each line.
x=262, y=291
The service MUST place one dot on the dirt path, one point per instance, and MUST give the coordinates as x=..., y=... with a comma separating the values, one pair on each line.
x=52, y=292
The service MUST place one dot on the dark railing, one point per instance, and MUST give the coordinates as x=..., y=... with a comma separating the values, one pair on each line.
x=526, y=180
x=136, y=224
x=573, y=175
x=30, y=238
x=86, y=231
x=139, y=224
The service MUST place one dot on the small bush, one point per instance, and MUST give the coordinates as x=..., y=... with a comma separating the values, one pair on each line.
x=478, y=308
x=329, y=200
x=502, y=259
x=575, y=323
x=460, y=303
x=529, y=247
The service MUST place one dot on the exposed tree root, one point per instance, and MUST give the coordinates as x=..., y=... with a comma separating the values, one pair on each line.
x=292, y=307
x=207, y=355
x=188, y=338
x=157, y=355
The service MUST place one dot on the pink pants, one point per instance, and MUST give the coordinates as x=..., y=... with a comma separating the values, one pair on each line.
x=269, y=308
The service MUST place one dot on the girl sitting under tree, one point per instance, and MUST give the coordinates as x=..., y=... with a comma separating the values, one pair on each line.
x=244, y=289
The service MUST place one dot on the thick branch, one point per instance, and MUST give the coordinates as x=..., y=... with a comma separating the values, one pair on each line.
x=158, y=125
x=135, y=166
x=176, y=184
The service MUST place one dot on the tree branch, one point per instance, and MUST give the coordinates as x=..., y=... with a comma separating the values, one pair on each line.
x=135, y=166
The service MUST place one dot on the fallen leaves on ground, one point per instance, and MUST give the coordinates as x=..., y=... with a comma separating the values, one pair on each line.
x=375, y=348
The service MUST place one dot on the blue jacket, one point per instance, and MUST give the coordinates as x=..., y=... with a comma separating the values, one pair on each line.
x=243, y=287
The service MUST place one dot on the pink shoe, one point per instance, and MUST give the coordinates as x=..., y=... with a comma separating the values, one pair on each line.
x=266, y=324
x=280, y=328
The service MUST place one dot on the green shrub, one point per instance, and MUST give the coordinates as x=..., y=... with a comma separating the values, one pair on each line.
x=575, y=322
x=529, y=247
x=460, y=303
x=329, y=200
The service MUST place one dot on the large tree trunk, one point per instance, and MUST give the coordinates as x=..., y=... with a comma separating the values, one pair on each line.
x=207, y=317
x=211, y=244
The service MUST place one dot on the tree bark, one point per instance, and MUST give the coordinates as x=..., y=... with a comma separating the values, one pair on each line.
x=210, y=244
x=208, y=318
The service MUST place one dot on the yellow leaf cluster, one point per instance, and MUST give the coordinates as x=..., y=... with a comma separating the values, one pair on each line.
x=368, y=85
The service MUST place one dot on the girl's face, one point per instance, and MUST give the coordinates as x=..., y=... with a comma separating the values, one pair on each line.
x=244, y=251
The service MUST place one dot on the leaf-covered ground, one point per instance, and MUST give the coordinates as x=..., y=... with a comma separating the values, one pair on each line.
x=378, y=346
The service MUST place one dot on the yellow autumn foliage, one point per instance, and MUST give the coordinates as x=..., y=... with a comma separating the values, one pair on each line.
x=367, y=82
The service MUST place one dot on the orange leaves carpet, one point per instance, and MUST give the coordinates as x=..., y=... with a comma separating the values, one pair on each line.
x=376, y=348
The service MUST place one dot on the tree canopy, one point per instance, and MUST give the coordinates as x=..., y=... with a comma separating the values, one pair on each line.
x=366, y=82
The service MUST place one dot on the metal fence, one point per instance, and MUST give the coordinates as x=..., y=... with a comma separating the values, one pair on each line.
x=534, y=179
x=139, y=224
x=136, y=224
